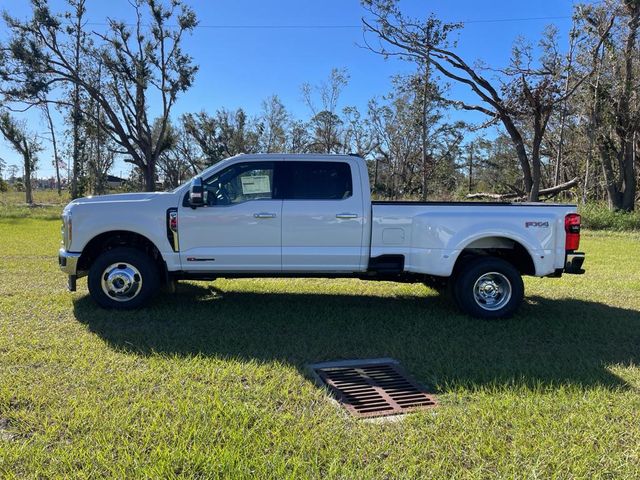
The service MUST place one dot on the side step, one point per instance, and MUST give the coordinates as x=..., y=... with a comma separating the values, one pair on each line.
x=386, y=265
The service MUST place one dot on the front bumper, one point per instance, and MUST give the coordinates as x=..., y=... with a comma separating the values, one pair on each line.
x=68, y=262
x=573, y=263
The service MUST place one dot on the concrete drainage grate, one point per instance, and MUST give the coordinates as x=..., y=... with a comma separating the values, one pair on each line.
x=373, y=388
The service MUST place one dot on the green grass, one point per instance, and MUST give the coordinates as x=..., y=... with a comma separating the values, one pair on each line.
x=211, y=382
x=47, y=205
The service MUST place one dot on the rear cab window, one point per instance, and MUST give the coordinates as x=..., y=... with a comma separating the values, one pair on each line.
x=317, y=181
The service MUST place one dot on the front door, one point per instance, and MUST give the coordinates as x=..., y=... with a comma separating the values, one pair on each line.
x=239, y=228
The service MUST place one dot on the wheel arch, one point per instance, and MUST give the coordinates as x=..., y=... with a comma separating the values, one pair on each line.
x=500, y=246
x=119, y=238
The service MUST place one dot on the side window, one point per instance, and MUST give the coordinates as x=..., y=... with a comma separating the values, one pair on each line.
x=240, y=183
x=319, y=181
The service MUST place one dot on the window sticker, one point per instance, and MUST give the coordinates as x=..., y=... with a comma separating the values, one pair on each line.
x=255, y=184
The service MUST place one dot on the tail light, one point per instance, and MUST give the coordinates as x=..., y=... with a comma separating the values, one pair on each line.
x=572, y=231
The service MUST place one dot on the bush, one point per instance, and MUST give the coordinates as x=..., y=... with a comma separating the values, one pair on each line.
x=597, y=216
x=4, y=186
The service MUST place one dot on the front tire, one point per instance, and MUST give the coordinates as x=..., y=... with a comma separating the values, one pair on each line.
x=489, y=288
x=123, y=278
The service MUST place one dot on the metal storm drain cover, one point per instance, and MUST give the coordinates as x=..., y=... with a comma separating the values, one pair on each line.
x=373, y=388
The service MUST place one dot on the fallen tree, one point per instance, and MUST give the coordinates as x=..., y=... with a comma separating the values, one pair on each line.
x=545, y=192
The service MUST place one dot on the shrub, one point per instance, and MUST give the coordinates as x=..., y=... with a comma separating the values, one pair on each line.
x=597, y=216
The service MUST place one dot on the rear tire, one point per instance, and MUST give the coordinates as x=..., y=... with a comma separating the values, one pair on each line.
x=489, y=288
x=123, y=278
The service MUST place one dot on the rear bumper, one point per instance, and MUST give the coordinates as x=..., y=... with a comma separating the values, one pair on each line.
x=573, y=263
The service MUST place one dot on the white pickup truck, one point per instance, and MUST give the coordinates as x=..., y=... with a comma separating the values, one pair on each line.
x=282, y=215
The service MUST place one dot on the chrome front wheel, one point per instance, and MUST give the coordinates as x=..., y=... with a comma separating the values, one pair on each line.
x=121, y=281
x=123, y=278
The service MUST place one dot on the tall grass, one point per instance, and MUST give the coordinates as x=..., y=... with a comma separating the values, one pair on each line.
x=597, y=216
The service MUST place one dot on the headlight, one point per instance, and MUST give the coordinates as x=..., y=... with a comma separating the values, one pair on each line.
x=67, y=230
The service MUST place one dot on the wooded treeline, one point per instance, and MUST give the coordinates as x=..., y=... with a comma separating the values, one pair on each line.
x=560, y=118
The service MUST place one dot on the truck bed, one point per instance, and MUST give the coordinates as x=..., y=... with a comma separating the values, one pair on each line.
x=431, y=235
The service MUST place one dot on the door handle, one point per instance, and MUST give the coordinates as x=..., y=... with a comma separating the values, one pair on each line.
x=264, y=215
x=347, y=215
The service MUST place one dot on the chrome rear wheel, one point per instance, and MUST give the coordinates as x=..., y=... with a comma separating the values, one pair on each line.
x=492, y=291
x=488, y=287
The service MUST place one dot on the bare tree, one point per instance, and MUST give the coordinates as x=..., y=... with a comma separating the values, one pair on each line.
x=273, y=125
x=222, y=135
x=79, y=46
x=359, y=135
x=24, y=143
x=397, y=145
x=203, y=130
x=529, y=92
x=617, y=115
x=180, y=161
x=298, y=139
x=325, y=122
x=573, y=36
x=138, y=62
x=52, y=131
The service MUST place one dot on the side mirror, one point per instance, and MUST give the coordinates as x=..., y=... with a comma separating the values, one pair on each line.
x=196, y=193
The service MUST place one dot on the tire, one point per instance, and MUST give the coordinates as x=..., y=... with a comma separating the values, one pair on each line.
x=489, y=288
x=123, y=278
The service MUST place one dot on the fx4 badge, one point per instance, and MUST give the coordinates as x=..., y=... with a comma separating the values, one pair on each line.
x=536, y=224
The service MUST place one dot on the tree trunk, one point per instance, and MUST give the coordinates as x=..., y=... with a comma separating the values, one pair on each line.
x=149, y=176
x=375, y=174
x=56, y=160
x=470, y=185
x=27, y=180
x=425, y=131
x=75, y=114
x=523, y=158
x=627, y=127
x=534, y=193
x=613, y=194
x=563, y=106
x=593, y=122
x=538, y=132
x=628, y=197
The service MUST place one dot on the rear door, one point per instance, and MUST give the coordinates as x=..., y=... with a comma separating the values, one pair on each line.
x=322, y=218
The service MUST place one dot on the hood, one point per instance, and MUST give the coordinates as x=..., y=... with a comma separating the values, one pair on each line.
x=118, y=197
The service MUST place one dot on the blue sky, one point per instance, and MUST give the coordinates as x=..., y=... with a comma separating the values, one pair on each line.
x=239, y=67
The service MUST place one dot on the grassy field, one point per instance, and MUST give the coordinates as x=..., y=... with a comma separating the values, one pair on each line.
x=211, y=382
